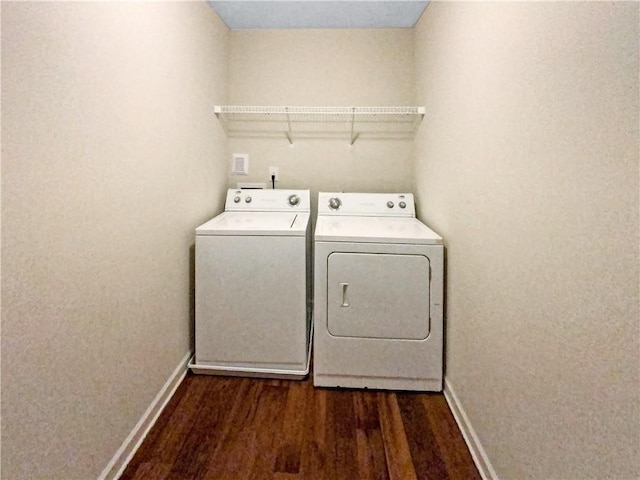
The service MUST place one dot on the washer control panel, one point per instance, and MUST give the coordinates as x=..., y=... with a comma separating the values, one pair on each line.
x=366, y=204
x=261, y=200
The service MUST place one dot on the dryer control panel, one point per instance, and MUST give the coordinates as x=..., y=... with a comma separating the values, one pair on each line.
x=366, y=204
x=258, y=200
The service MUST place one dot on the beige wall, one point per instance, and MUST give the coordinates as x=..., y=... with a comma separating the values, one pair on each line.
x=350, y=67
x=527, y=163
x=110, y=157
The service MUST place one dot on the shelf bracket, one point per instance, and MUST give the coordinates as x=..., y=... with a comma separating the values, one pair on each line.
x=288, y=133
x=354, y=136
x=223, y=123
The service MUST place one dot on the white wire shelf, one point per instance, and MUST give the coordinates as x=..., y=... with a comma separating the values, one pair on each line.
x=320, y=122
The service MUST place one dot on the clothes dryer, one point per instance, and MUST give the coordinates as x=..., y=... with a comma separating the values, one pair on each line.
x=253, y=286
x=378, y=310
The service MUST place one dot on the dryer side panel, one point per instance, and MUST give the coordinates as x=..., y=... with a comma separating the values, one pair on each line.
x=375, y=295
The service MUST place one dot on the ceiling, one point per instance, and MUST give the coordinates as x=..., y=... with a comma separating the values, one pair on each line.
x=272, y=14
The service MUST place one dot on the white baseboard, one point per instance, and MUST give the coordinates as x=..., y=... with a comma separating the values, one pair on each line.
x=473, y=442
x=125, y=453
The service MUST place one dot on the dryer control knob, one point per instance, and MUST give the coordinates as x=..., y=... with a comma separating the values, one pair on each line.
x=402, y=205
x=390, y=204
x=236, y=199
x=248, y=199
x=294, y=200
x=334, y=203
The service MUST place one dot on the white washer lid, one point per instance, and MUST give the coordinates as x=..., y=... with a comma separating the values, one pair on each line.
x=256, y=223
x=374, y=230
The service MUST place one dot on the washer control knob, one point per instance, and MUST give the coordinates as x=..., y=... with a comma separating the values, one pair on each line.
x=247, y=200
x=390, y=204
x=402, y=205
x=334, y=203
x=236, y=199
x=294, y=200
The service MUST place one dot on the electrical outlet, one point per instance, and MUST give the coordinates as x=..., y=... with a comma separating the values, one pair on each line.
x=273, y=171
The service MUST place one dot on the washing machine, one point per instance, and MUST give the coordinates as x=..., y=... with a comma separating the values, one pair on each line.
x=378, y=310
x=253, y=286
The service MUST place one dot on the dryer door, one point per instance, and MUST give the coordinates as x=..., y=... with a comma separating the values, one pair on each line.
x=378, y=295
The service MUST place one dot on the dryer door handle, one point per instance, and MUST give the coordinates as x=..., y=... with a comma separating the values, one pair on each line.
x=345, y=299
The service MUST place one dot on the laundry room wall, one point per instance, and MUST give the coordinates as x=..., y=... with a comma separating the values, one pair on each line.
x=110, y=158
x=527, y=164
x=340, y=67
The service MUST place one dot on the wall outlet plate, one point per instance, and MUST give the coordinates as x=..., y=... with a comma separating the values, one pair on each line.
x=240, y=164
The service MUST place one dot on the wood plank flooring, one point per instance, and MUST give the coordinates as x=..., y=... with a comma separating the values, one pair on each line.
x=245, y=428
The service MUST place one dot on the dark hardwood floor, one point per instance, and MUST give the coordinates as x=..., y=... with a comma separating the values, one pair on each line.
x=245, y=428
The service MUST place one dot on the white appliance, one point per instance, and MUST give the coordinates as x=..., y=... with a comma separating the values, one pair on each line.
x=378, y=310
x=253, y=286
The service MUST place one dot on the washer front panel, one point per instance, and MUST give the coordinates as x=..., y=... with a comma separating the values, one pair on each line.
x=251, y=308
x=372, y=295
